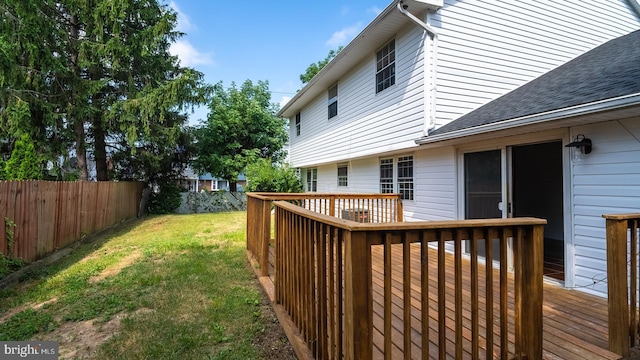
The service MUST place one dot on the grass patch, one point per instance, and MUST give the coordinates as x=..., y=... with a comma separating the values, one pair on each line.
x=172, y=286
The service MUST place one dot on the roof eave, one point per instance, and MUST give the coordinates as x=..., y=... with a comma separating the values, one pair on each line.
x=343, y=62
x=581, y=110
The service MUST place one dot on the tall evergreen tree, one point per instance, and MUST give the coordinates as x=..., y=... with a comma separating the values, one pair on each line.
x=91, y=73
x=24, y=163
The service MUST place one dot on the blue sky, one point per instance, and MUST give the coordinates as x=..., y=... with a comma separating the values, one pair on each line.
x=274, y=40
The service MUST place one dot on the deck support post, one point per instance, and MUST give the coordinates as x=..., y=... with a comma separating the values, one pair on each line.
x=531, y=290
x=265, y=237
x=358, y=311
x=617, y=290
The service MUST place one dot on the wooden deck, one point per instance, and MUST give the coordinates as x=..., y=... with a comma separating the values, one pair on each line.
x=574, y=323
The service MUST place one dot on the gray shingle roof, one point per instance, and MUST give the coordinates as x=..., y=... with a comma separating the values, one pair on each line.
x=611, y=70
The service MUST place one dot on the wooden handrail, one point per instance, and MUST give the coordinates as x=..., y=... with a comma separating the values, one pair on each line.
x=622, y=284
x=315, y=253
x=366, y=207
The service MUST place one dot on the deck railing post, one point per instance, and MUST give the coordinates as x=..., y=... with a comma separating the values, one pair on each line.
x=358, y=311
x=399, y=209
x=332, y=205
x=265, y=237
x=531, y=259
x=617, y=286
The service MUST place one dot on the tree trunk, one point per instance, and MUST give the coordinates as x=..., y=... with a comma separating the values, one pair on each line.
x=81, y=150
x=233, y=186
x=100, y=149
x=78, y=127
x=99, y=143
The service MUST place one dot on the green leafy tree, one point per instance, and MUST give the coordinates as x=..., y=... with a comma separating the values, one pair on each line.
x=24, y=163
x=315, y=68
x=240, y=129
x=264, y=176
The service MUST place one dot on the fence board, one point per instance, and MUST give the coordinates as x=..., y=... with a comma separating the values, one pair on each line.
x=47, y=217
x=4, y=199
x=50, y=215
x=89, y=203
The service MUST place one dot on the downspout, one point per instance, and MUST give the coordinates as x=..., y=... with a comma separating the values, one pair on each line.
x=430, y=85
x=635, y=6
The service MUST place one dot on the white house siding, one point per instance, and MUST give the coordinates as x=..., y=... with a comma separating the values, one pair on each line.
x=606, y=182
x=367, y=123
x=487, y=48
x=434, y=184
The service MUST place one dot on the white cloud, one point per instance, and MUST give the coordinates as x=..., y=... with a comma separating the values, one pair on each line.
x=284, y=101
x=375, y=10
x=188, y=55
x=184, y=23
x=343, y=36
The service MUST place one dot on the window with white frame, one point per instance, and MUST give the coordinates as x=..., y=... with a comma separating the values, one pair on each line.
x=386, y=66
x=312, y=180
x=386, y=176
x=405, y=177
x=298, y=124
x=403, y=180
x=333, y=101
x=343, y=174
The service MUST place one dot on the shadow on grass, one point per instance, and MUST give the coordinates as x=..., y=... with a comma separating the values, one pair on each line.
x=178, y=286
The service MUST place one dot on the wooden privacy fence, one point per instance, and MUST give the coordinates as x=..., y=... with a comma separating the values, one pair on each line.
x=345, y=284
x=364, y=208
x=50, y=215
x=623, y=286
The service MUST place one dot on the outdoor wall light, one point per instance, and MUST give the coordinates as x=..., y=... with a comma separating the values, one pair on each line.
x=579, y=147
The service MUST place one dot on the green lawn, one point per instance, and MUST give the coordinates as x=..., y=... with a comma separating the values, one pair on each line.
x=167, y=287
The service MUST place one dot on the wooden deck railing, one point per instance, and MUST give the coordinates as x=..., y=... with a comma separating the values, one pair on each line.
x=378, y=208
x=325, y=282
x=622, y=275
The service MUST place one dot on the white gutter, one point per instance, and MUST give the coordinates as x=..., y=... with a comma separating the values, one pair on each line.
x=573, y=111
x=429, y=86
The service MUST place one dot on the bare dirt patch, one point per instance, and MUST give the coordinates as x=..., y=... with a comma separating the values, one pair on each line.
x=272, y=343
x=115, y=269
x=6, y=316
x=80, y=339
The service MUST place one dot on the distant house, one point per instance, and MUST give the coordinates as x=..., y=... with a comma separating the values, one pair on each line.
x=196, y=183
x=446, y=103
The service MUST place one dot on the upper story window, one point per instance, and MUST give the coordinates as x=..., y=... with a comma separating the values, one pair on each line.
x=343, y=175
x=298, y=124
x=386, y=66
x=312, y=180
x=386, y=176
x=405, y=177
x=333, y=101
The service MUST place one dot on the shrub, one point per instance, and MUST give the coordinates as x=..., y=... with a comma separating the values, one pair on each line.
x=265, y=176
x=166, y=200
